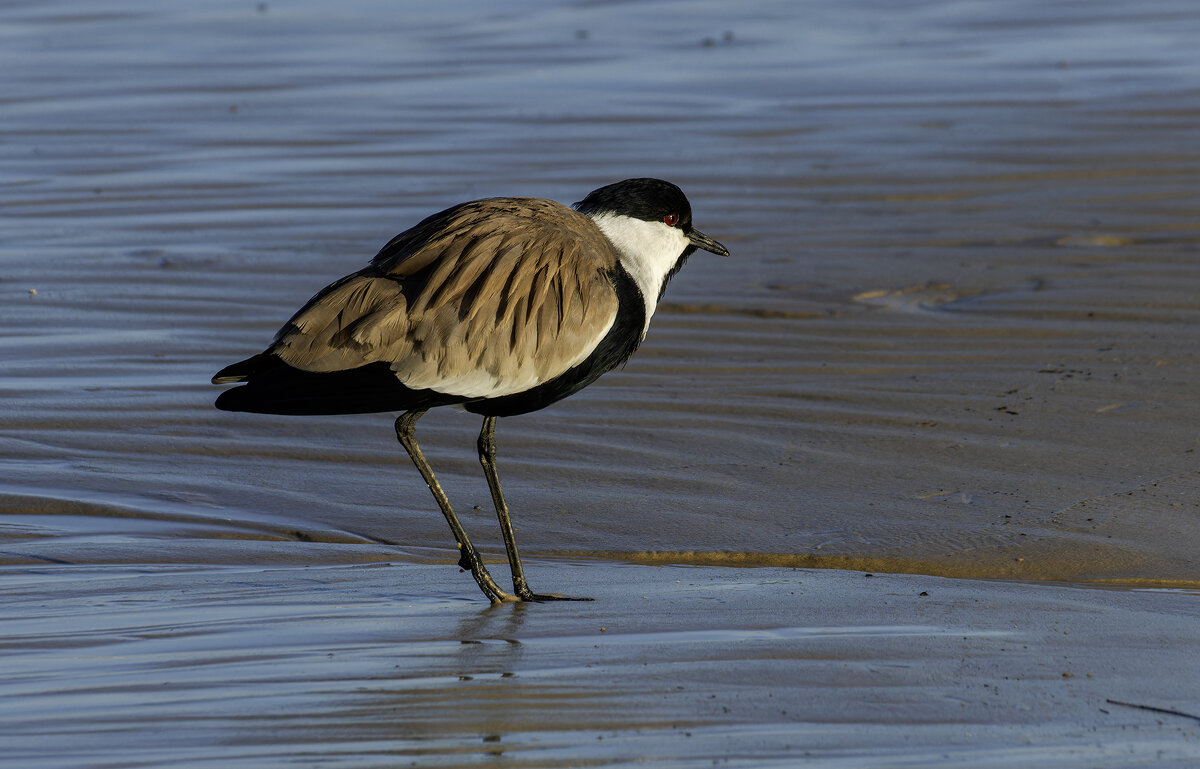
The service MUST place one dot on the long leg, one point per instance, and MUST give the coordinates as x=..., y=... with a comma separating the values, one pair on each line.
x=487, y=458
x=469, y=557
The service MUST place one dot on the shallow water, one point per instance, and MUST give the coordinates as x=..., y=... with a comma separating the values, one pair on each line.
x=751, y=667
x=957, y=335
x=957, y=319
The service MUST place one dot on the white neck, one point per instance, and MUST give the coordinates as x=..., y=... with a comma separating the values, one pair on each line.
x=647, y=250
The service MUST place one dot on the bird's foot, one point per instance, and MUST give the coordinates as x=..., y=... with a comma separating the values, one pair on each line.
x=529, y=596
x=524, y=594
x=546, y=597
x=469, y=560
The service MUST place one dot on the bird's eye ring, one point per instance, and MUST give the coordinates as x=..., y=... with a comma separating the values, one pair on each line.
x=671, y=220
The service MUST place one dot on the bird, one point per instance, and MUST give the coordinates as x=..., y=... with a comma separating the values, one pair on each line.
x=500, y=306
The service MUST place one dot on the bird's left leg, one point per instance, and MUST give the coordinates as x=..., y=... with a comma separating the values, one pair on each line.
x=487, y=458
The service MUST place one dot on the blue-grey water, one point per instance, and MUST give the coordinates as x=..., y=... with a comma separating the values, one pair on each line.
x=958, y=334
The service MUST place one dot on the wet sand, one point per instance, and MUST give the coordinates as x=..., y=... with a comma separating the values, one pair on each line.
x=955, y=347
x=668, y=666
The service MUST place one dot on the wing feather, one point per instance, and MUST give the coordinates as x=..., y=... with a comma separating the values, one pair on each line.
x=485, y=299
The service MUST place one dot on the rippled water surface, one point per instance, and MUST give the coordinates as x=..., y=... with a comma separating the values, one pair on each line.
x=958, y=334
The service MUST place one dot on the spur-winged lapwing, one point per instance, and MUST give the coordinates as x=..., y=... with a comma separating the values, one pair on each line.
x=502, y=306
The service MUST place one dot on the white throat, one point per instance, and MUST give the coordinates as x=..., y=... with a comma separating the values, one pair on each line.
x=647, y=250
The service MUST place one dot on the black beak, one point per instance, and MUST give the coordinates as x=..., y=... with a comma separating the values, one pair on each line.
x=700, y=240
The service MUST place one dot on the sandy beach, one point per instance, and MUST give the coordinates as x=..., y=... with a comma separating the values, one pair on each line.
x=909, y=480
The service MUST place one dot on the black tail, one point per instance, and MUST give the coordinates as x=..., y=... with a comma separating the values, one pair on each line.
x=273, y=387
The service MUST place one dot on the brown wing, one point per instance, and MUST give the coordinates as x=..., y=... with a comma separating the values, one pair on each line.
x=485, y=299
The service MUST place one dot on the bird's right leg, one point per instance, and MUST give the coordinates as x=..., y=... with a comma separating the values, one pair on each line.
x=469, y=556
x=487, y=458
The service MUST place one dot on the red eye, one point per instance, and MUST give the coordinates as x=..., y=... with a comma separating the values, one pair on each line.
x=671, y=220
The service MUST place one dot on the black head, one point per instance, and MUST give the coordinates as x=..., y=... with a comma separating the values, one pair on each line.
x=651, y=200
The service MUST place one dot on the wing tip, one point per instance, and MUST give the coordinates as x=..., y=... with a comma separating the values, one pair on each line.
x=243, y=369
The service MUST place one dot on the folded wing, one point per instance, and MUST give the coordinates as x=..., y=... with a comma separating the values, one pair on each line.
x=483, y=300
